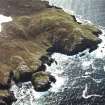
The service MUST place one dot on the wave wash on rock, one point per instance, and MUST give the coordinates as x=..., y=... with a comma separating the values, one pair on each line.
x=31, y=37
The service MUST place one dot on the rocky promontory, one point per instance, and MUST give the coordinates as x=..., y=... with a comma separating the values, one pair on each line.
x=38, y=30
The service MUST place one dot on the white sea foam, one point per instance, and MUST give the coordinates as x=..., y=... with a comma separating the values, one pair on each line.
x=85, y=94
x=57, y=70
x=86, y=64
x=23, y=92
x=60, y=3
x=4, y=19
x=26, y=94
x=82, y=20
x=100, y=52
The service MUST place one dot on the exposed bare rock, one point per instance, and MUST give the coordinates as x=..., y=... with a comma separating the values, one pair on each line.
x=42, y=81
x=38, y=30
x=5, y=80
x=48, y=31
x=6, y=97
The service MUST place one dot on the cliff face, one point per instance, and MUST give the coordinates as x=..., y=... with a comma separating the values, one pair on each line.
x=51, y=30
x=29, y=37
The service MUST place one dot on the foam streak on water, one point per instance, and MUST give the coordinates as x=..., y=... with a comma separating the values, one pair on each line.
x=25, y=92
x=84, y=95
x=77, y=77
x=72, y=72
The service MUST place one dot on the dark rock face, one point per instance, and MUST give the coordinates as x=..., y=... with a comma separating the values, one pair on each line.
x=6, y=98
x=37, y=30
x=47, y=60
x=2, y=102
x=5, y=80
x=42, y=81
x=22, y=73
x=54, y=31
x=85, y=43
x=62, y=33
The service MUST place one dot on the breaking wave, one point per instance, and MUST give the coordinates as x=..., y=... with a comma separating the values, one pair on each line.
x=79, y=77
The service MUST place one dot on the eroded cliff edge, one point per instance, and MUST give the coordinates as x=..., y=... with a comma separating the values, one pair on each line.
x=37, y=31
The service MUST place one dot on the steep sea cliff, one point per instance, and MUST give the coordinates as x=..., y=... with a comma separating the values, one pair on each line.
x=27, y=66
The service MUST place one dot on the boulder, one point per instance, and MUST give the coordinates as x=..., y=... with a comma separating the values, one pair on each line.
x=6, y=97
x=2, y=102
x=46, y=59
x=42, y=81
x=49, y=30
x=22, y=73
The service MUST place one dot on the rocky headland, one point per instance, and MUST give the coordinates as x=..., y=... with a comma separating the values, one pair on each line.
x=27, y=42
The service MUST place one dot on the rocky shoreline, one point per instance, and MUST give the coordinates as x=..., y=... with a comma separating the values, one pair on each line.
x=37, y=31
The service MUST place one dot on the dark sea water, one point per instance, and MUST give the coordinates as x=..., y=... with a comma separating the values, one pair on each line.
x=93, y=10
x=80, y=80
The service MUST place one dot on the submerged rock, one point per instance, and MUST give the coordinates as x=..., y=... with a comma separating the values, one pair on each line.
x=42, y=81
x=46, y=59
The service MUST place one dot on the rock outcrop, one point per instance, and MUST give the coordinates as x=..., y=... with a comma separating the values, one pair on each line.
x=5, y=80
x=42, y=81
x=6, y=97
x=38, y=30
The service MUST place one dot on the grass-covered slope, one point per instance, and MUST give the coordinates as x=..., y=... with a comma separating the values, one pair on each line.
x=29, y=37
